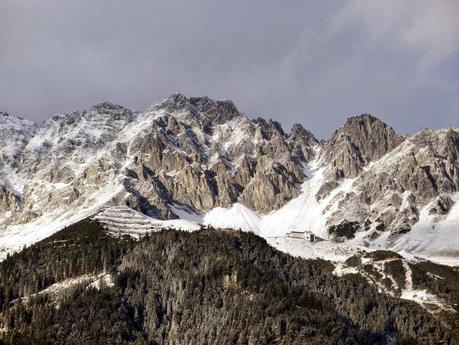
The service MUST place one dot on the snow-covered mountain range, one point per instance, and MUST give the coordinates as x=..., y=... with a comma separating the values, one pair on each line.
x=190, y=161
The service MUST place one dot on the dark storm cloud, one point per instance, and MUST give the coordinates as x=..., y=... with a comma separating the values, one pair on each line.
x=297, y=61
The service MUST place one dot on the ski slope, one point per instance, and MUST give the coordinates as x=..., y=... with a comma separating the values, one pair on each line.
x=122, y=220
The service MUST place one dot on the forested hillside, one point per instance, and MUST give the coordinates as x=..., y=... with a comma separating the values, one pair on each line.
x=206, y=287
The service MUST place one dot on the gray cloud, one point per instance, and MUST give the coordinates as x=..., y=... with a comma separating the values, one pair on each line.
x=299, y=61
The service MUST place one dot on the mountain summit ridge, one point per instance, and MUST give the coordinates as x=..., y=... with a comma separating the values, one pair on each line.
x=185, y=157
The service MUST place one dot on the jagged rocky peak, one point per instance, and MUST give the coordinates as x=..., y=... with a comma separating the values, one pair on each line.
x=93, y=118
x=217, y=111
x=202, y=109
x=9, y=121
x=363, y=139
x=422, y=171
x=195, y=152
x=15, y=133
x=298, y=131
x=436, y=155
x=268, y=128
x=450, y=147
x=62, y=147
x=176, y=101
x=4, y=116
x=207, y=154
x=302, y=142
x=107, y=106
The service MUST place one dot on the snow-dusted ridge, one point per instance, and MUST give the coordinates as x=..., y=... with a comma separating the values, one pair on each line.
x=192, y=161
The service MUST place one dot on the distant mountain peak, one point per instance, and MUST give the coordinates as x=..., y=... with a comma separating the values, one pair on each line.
x=361, y=140
x=107, y=106
x=214, y=111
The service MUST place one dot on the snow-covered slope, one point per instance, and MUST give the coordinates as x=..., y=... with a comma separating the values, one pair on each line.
x=122, y=220
x=237, y=217
x=433, y=238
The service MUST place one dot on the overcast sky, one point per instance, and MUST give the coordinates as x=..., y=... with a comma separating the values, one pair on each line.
x=312, y=62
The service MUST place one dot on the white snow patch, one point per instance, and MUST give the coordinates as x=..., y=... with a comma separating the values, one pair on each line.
x=94, y=280
x=237, y=217
x=327, y=250
x=103, y=279
x=341, y=270
x=432, y=239
x=90, y=280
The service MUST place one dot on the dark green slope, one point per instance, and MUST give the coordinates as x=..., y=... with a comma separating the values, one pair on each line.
x=207, y=287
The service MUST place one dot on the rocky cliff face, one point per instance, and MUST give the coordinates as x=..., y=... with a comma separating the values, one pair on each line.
x=194, y=152
x=363, y=139
x=15, y=132
x=391, y=192
x=187, y=156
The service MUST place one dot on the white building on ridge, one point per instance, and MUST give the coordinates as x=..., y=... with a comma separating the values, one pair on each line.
x=305, y=235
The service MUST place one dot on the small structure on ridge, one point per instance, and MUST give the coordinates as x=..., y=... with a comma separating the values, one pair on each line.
x=305, y=235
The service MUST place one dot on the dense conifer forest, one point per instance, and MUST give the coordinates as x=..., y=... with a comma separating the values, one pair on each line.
x=206, y=287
